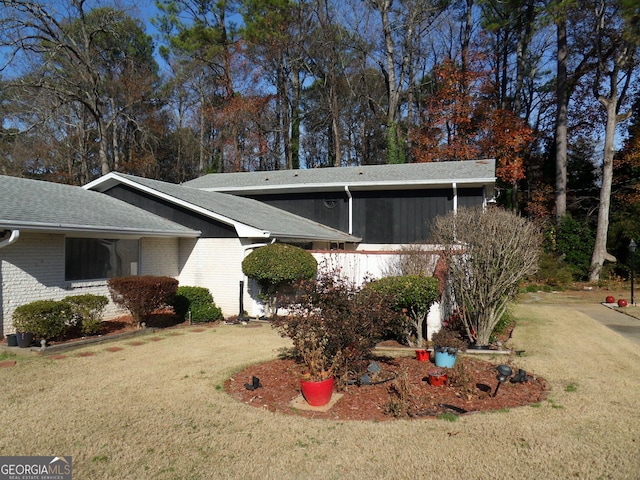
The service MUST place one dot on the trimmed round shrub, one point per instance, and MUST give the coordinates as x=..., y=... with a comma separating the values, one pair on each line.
x=276, y=266
x=46, y=319
x=206, y=313
x=279, y=263
x=142, y=295
x=199, y=301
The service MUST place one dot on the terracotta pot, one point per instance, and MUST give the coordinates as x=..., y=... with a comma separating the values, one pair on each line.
x=317, y=394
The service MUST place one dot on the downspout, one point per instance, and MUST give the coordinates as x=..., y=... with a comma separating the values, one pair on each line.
x=454, y=186
x=346, y=189
x=242, y=282
x=15, y=234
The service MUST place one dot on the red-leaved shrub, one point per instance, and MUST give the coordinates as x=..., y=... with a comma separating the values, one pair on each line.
x=142, y=295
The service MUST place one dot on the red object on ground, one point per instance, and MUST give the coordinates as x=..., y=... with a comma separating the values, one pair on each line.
x=437, y=379
x=622, y=302
x=610, y=299
x=422, y=355
x=317, y=393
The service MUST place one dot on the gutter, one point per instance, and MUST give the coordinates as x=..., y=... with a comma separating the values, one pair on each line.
x=105, y=230
x=15, y=234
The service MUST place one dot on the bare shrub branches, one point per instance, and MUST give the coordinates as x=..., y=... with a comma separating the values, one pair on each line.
x=488, y=253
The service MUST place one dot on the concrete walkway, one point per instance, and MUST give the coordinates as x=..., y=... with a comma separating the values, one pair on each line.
x=613, y=318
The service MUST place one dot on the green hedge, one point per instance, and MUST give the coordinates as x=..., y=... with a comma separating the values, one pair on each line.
x=87, y=310
x=279, y=263
x=46, y=319
x=52, y=319
x=198, y=301
x=413, y=295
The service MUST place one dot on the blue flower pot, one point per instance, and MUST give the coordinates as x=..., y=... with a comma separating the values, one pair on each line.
x=445, y=359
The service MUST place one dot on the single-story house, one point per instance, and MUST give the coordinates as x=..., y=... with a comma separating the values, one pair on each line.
x=61, y=240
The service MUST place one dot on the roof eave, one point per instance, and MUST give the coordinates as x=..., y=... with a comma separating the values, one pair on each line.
x=87, y=229
x=353, y=186
x=113, y=179
x=317, y=238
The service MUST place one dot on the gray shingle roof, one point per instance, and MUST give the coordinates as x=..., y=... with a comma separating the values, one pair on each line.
x=231, y=209
x=37, y=205
x=408, y=175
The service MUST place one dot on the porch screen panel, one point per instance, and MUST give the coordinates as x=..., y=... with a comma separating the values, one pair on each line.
x=470, y=197
x=399, y=216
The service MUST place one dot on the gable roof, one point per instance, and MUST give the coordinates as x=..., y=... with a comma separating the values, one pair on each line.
x=250, y=218
x=36, y=205
x=398, y=176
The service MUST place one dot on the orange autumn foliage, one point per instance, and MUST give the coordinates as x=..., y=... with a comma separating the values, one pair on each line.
x=461, y=122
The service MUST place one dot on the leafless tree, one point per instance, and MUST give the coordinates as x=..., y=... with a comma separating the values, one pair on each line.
x=488, y=253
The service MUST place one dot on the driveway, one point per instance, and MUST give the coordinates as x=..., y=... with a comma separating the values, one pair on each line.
x=613, y=318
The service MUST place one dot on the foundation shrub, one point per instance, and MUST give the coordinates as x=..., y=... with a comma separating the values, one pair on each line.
x=87, y=311
x=276, y=267
x=46, y=319
x=413, y=296
x=142, y=295
x=198, y=301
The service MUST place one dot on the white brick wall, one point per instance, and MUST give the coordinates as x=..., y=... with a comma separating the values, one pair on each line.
x=33, y=269
x=216, y=264
x=159, y=256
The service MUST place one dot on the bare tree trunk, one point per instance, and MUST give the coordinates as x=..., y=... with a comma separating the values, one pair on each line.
x=295, y=120
x=621, y=54
x=561, y=120
x=285, y=116
x=600, y=247
x=202, y=157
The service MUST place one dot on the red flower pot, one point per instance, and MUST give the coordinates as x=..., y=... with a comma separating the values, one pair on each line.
x=437, y=379
x=422, y=355
x=622, y=302
x=610, y=299
x=317, y=393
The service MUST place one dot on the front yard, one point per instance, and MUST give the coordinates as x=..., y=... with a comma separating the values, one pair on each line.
x=155, y=408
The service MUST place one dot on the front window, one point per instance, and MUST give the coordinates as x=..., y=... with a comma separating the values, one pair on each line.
x=94, y=258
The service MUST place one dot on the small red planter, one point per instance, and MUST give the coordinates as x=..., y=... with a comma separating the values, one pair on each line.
x=422, y=355
x=437, y=379
x=319, y=393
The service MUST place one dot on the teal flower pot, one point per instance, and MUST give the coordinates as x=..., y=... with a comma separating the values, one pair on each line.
x=445, y=359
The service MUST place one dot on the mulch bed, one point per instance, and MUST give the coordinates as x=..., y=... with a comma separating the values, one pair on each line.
x=280, y=381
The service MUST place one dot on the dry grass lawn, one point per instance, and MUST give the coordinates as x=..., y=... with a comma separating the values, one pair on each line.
x=158, y=411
